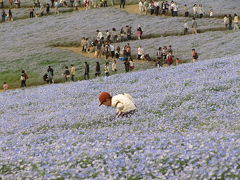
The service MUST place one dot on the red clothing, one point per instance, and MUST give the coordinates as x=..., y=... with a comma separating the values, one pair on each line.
x=169, y=60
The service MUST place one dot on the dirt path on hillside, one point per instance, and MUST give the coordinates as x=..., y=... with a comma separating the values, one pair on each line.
x=78, y=50
x=131, y=9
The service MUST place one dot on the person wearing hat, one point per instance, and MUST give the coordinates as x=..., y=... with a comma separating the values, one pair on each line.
x=122, y=102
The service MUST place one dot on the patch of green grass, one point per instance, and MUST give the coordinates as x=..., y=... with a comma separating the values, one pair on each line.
x=217, y=89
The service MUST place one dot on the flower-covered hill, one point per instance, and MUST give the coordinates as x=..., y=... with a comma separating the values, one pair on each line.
x=186, y=127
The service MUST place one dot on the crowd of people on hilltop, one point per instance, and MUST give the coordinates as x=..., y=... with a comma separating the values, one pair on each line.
x=40, y=9
x=171, y=8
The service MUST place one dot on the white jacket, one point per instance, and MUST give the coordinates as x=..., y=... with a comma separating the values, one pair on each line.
x=123, y=103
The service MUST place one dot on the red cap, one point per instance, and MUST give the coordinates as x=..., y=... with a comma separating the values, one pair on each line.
x=103, y=97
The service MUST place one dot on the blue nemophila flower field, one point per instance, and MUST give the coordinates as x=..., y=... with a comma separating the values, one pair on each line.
x=186, y=127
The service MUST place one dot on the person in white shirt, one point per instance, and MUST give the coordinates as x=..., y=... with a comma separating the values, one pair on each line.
x=114, y=66
x=235, y=22
x=200, y=11
x=194, y=10
x=211, y=13
x=175, y=9
x=99, y=35
x=123, y=103
x=225, y=21
x=112, y=49
x=140, y=6
x=140, y=52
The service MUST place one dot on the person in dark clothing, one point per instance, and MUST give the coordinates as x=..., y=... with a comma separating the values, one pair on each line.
x=86, y=73
x=31, y=12
x=50, y=74
x=157, y=9
x=127, y=65
x=23, y=79
x=10, y=15
x=3, y=15
x=47, y=8
x=129, y=32
x=105, y=3
x=98, y=69
x=71, y=2
x=52, y=3
x=230, y=19
x=122, y=3
x=66, y=73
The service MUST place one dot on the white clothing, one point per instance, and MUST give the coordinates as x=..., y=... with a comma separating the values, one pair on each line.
x=235, y=19
x=225, y=20
x=175, y=7
x=211, y=14
x=106, y=69
x=140, y=6
x=194, y=10
x=123, y=103
x=112, y=48
x=99, y=35
x=140, y=51
x=114, y=66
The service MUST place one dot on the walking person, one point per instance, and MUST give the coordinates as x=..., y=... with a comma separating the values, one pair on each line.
x=50, y=75
x=114, y=66
x=3, y=15
x=186, y=10
x=140, y=53
x=73, y=72
x=140, y=6
x=159, y=57
x=47, y=8
x=1, y=4
x=10, y=16
x=157, y=7
x=230, y=19
x=235, y=22
x=10, y=3
x=225, y=21
x=17, y=3
x=123, y=103
x=122, y=3
x=112, y=49
x=195, y=10
x=200, y=10
x=52, y=3
x=106, y=69
x=185, y=26
x=23, y=79
x=56, y=5
x=194, y=26
x=175, y=9
x=127, y=65
x=5, y=86
x=31, y=12
x=211, y=13
x=86, y=73
x=169, y=58
x=139, y=32
x=127, y=49
x=98, y=69
x=66, y=73
x=194, y=55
